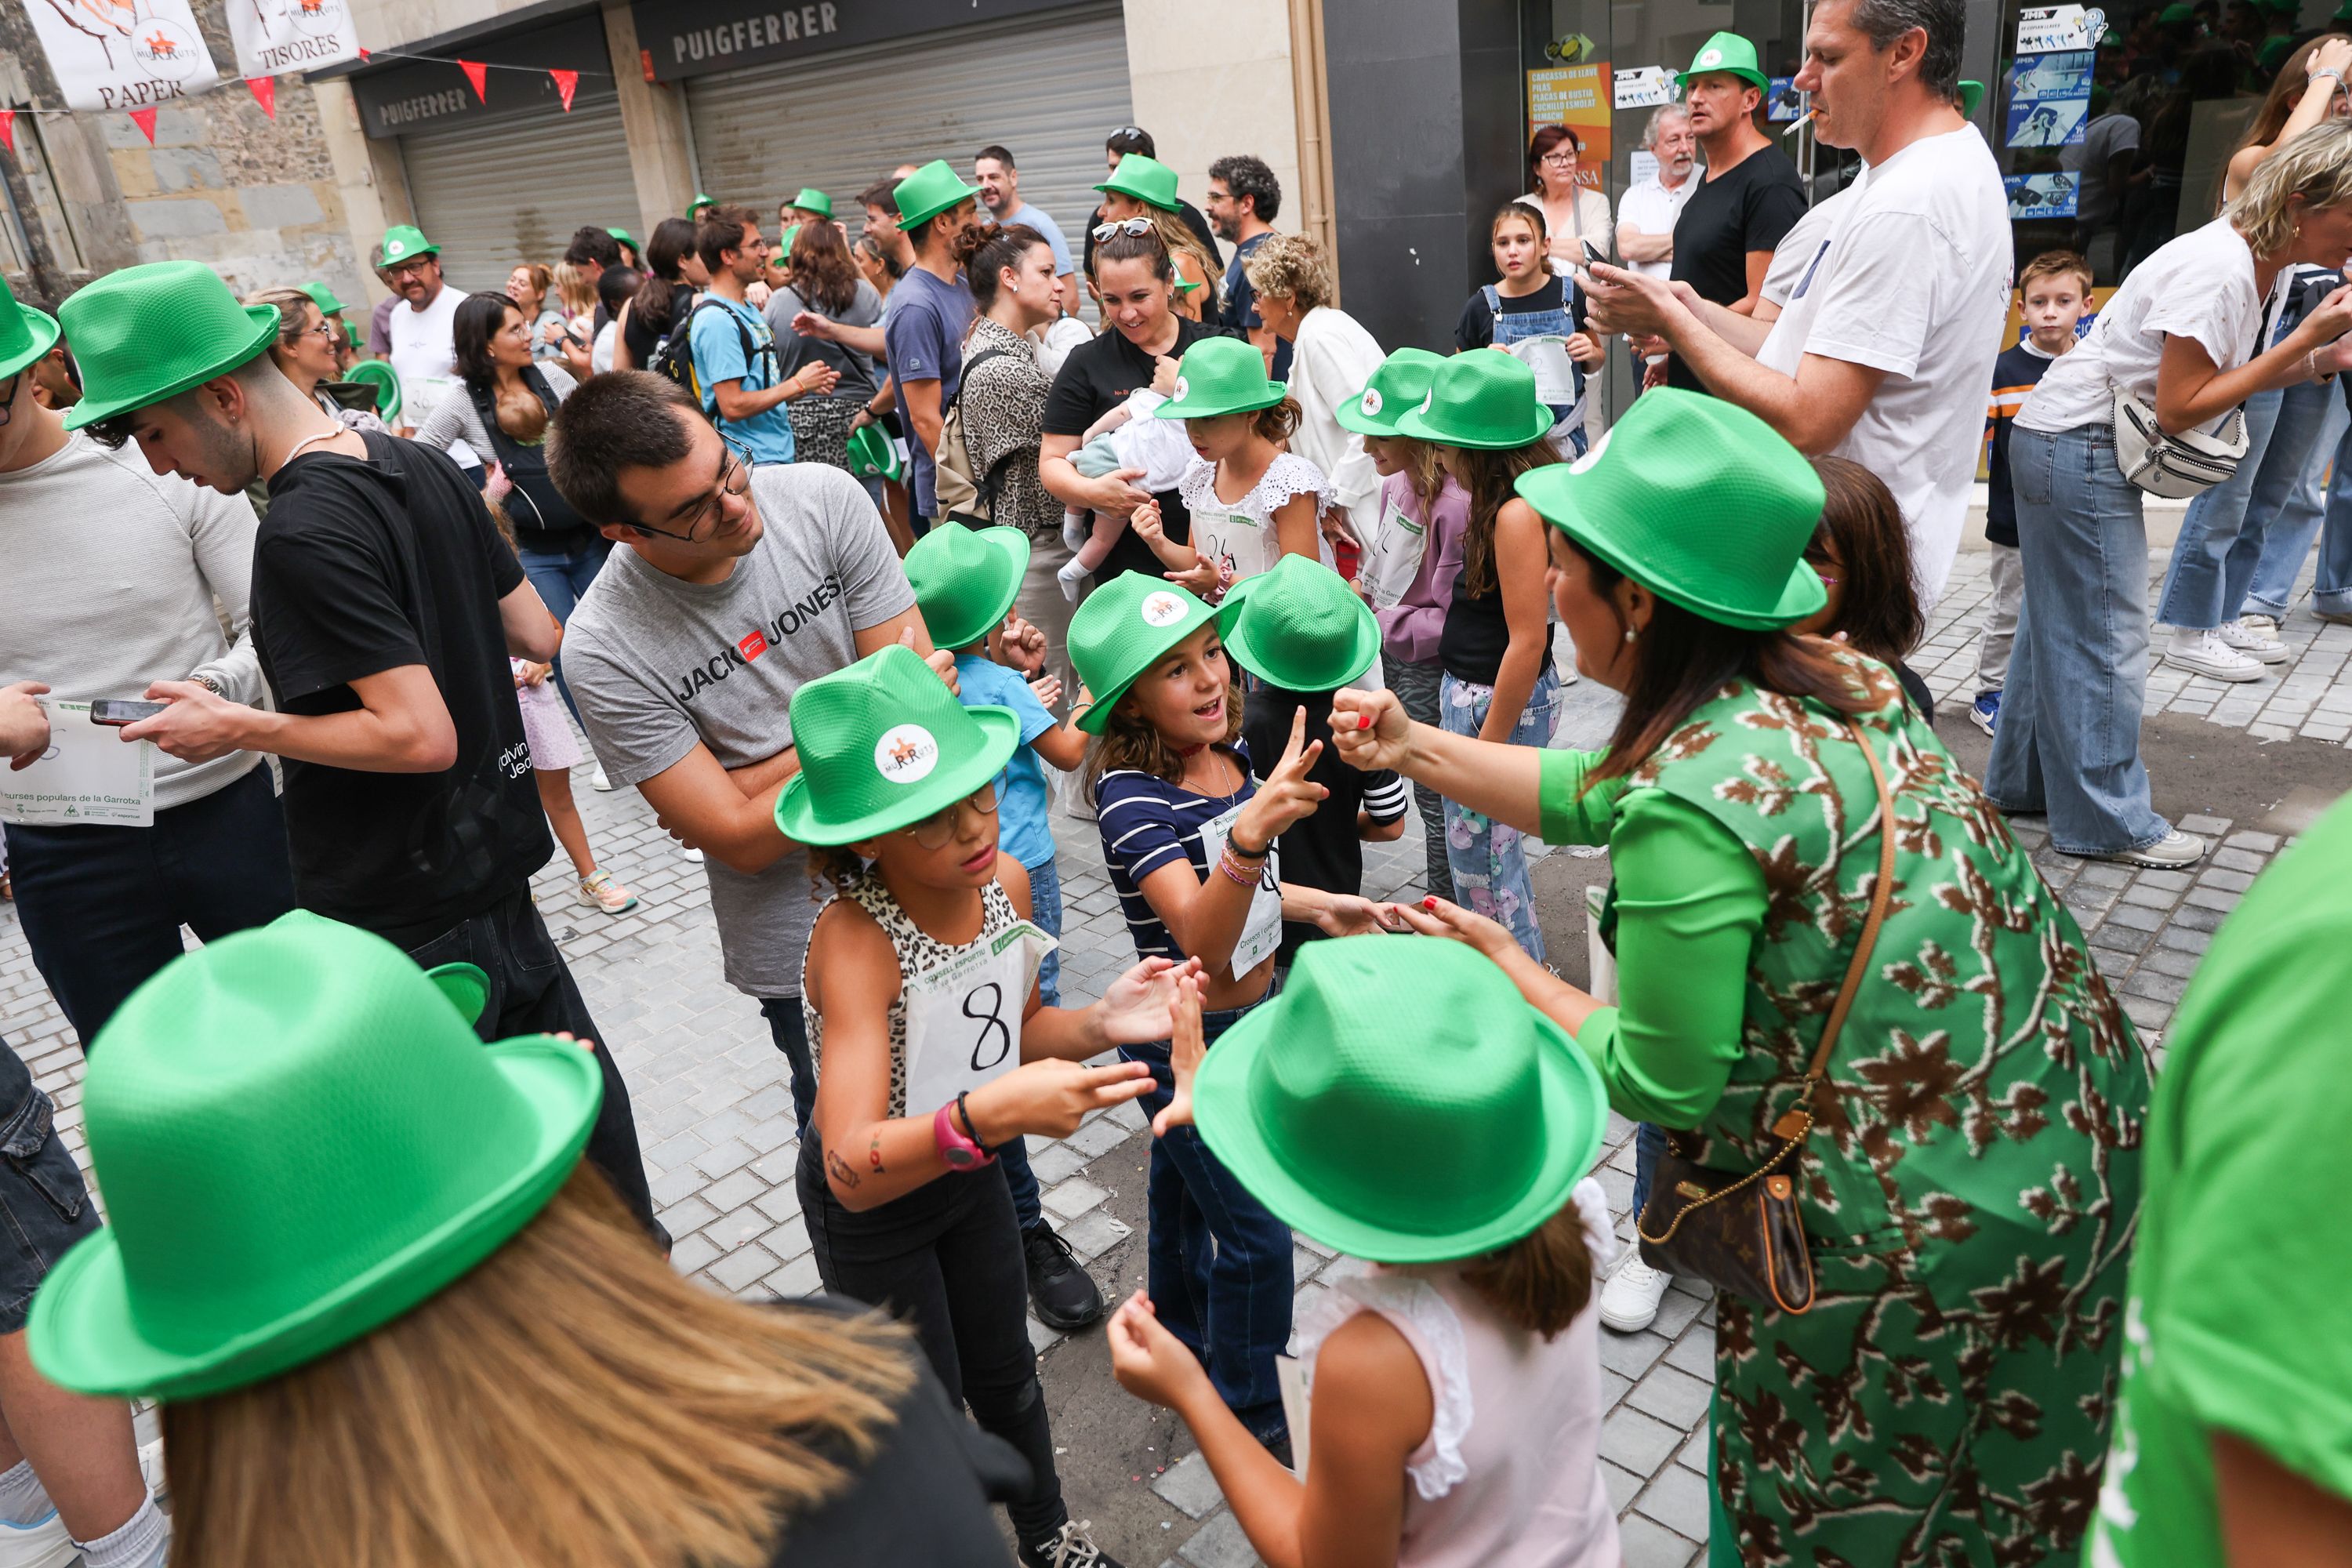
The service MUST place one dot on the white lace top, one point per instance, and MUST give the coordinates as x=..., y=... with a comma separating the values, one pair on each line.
x=1239, y=536
x=1509, y=1475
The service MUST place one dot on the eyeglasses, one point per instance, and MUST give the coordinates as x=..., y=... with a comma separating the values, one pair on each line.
x=1127, y=226
x=935, y=830
x=323, y=330
x=412, y=268
x=733, y=480
x=1558, y=160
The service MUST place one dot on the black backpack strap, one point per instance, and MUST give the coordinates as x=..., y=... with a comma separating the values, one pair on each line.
x=988, y=479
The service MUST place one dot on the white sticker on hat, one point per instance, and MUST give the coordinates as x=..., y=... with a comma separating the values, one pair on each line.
x=1180, y=389
x=1429, y=400
x=1707, y=57
x=1161, y=609
x=395, y=247
x=1372, y=402
x=906, y=754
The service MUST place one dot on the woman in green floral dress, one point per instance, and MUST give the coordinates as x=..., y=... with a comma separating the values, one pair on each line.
x=1972, y=1182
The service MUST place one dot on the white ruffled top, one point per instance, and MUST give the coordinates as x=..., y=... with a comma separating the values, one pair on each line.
x=1239, y=536
x=1509, y=1475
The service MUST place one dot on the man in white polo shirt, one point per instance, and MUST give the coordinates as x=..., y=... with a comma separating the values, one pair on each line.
x=1884, y=348
x=422, y=329
x=1645, y=217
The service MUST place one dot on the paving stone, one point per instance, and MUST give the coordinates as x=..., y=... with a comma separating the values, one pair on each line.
x=1651, y=1545
x=1695, y=1351
x=1092, y=1234
x=1636, y=1441
x=2209, y=826
x=1673, y=1396
x=1219, y=1543
x=1097, y=1139
x=794, y=1279
x=1189, y=1485
x=736, y=1189
x=1623, y=1485
x=739, y=1268
x=1051, y=1162
x=1073, y=1198
x=1677, y=1499
x=1631, y=1355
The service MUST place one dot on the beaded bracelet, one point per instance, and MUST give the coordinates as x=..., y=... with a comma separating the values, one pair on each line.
x=1238, y=871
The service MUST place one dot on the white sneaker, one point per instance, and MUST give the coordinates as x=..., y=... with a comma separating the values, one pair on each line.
x=2170, y=853
x=695, y=855
x=2261, y=645
x=1628, y=1301
x=2207, y=654
x=600, y=890
x=44, y=1545
x=599, y=783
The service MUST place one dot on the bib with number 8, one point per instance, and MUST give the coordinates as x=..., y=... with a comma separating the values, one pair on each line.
x=963, y=1018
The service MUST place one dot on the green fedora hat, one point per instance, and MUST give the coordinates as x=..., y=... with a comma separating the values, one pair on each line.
x=300, y=1139
x=403, y=242
x=1483, y=399
x=1730, y=54
x=702, y=199
x=1147, y=179
x=1971, y=94
x=1699, y=502
x=812, y=200
x=623, y=236
x=1220, y=375
x=324, y=298
x=1121, y=630
x=1399, y=385
x=26, y=334
x=378, y=375
x=1300, y=626
x=873, y=454
x=149, y=333
x=883, y=745
x=928, y=192
x=965, y=579
x=1398, y=1100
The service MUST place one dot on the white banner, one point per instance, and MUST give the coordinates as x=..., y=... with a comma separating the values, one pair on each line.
x=115, y=55
x=274, y=36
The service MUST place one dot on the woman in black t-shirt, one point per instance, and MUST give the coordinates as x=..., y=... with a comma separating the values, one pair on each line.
x=1136, y=282
x=674, y=275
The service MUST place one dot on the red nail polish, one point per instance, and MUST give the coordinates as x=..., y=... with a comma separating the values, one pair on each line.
x=1363, y=721
x=1430, y=904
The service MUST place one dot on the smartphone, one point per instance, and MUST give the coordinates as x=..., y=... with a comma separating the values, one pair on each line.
x=117, y=712
x=1593, y=255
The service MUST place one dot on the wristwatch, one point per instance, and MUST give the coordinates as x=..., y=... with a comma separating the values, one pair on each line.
x=209, y=684
x=960, y=1153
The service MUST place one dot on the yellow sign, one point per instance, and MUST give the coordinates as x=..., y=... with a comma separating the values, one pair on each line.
x=1577, y=97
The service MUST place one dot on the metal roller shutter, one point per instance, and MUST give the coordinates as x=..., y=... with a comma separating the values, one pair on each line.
x=1050, y=87
x=514, y=190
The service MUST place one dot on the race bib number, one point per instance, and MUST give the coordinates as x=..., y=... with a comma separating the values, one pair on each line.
x=963, y=1019
x=1396, y=556
x=1555, y=372
x=1262, y=931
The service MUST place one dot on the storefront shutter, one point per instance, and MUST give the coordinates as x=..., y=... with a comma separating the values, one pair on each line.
x=1049, y=86
x=492, y=195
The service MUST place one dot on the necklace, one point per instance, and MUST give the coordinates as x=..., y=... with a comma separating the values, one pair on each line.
x=300, y=446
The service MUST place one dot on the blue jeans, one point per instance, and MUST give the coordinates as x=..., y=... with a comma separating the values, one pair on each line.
x=2068, y=742
x=1489, y=862
x=1216, y=1262
x=2225, y=535
x=1649, y=1144
x=560, y=578
x=1046, y=912
x=2323, y=498
x=102, y=906
x=44, y=1205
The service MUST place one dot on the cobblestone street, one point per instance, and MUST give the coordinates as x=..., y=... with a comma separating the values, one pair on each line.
x=714, y=1115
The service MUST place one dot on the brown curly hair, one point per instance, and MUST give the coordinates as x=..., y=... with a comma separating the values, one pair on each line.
x=1128, y=741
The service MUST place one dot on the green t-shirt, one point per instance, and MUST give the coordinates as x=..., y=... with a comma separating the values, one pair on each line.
x=2235, y=1317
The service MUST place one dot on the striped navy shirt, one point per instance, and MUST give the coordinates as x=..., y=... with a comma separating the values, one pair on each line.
x=1146, y=823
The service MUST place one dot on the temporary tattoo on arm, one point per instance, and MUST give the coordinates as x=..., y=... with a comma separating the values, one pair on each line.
x=838, y=1168
x=874, y=1155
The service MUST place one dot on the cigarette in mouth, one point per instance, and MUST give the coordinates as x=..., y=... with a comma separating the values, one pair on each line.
x=1802, y=120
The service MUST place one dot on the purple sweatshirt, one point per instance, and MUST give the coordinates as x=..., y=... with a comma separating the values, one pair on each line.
x=1411, y=627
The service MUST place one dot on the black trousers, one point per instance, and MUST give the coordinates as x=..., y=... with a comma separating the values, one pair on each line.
x=945, y=1259
x=531, y=992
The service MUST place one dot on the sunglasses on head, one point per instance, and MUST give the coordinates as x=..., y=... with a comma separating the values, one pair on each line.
x=1129, y=225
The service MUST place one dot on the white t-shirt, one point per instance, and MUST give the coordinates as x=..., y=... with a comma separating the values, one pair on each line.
x=1802, y=246
x=2200, y=286
x=425, y=352
x=1913, y=279
x=1651, y=207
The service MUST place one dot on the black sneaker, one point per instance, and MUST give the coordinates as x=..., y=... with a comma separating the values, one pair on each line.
x=1067, y=1547
x=1065, y=1295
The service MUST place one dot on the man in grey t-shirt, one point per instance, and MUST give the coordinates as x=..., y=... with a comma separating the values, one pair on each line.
x=735, y=589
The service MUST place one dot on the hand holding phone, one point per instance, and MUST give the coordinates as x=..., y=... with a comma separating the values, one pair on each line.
x=1594, y=256
x=116, y=712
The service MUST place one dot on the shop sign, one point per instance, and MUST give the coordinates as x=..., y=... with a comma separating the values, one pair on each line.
x=124, y=55
x=684, y=39
x=417, y=95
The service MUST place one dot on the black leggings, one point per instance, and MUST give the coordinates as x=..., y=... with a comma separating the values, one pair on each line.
x=945, y=1259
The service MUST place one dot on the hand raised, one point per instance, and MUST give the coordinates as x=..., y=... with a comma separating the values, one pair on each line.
x=1288, y=796
x=1371, y=729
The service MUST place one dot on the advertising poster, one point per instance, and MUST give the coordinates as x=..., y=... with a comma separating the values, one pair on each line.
x=1784, y=102
x=273, y=37
x=1579, y=98
x=2049, y=29
x=115, y=55
x=2040, y=195
x=2049, y=99
x=1645, y=87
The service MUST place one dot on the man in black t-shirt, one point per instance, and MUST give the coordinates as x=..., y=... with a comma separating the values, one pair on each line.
x=385, y=605
x=1751, y=195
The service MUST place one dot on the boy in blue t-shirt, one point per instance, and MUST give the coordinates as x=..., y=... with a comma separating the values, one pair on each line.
x=2056, y=285
x=965, y=582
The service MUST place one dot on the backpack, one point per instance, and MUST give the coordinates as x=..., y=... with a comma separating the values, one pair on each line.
x=674, y=358
x=963, y=495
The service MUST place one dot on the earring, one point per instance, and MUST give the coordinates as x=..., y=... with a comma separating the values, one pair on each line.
x=1631, y=634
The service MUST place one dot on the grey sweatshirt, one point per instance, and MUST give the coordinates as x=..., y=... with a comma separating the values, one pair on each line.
x=108, y=574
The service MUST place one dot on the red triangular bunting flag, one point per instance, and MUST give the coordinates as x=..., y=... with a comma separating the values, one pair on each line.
x=363, y=53
x=264, y=93
x=145, y=119
x=479, y=75
x=566, y=84
x=9, y=128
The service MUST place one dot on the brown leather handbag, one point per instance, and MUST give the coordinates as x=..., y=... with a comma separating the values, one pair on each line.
x=1743, y=1233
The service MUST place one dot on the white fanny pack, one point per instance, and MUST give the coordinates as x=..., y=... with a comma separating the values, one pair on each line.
x=2175, y=466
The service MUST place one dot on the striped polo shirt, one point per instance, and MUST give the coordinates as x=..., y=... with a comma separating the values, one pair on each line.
x=1146, y=823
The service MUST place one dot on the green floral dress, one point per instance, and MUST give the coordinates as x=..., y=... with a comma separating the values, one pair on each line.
x=1973, y=1184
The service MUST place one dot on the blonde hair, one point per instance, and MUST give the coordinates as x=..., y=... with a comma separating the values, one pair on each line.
x=2317, y=166
x=1177, y=235
x=1425, y=471
x=1290, y=267
x=292, y=314
x=572, y=286
x=572, y=1401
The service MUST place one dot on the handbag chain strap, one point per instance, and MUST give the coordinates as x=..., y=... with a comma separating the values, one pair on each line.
x=1798, y=1121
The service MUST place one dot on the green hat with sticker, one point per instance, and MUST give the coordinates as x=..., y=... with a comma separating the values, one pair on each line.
x=884, y=744
x=1484, y=399
x=403, y=242
x=151, y=331
x=1123, y=630
x=1300, y=626
x=812, y=200
x=928, y=192
x=965, y=579
x=1399, y=385
x=302, y=1139
x=1147, y=179
x=1220, y=375
x=873, y=454
x=1730, y=54
x=1699, y=502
